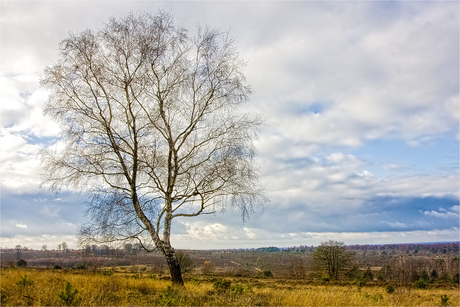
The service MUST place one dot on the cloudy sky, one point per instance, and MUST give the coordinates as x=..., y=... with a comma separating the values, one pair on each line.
x=361, y=108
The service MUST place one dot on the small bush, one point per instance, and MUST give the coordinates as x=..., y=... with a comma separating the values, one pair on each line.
x=325, y=277
x=106, y=272
x=80, y=266
x=390, y=288
x=222, y=285
x=367, y=275
x=167, y=298
x=24, y=281
x=444, y=277
x=3, y=297
x=144, y=269
x=68, y=296
x=57, y=267
x=21, y=263
x=185, y=262
x=268, y=274
x=237, y=288
x=195, y=281
x=208, y=268
x=444, y=300
x=420, y=284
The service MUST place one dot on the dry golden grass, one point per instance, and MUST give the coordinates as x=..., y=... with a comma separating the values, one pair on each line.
x=125, y=290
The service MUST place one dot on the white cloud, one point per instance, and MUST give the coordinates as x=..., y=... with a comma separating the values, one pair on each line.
x=19, y=166
x=444, y=214
x=21, y=226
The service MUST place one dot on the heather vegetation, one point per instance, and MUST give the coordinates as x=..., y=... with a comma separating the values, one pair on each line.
x=402, y=275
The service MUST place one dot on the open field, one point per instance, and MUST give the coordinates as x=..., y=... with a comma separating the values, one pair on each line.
x=46, y=287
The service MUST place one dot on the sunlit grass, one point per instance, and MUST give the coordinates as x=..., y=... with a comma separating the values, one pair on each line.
x=95, y=289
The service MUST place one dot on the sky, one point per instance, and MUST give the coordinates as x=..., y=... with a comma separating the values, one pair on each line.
x=360, y=101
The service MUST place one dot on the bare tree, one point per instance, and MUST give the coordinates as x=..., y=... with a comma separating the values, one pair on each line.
x=151, y=127
x=332, y=257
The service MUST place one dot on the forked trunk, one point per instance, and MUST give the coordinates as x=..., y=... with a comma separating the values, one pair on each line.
x=174, y=269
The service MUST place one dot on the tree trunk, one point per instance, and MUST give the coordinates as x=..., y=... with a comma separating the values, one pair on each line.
x=174, y=269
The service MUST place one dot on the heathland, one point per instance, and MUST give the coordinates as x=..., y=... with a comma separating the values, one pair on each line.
x=385, y=275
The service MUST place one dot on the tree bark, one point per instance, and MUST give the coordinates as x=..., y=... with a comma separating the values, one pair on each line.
x=174, y=269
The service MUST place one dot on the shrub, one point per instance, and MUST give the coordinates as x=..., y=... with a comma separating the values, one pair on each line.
x=106, y=272
x=222, y=285
x=456, y=278
x=237, y=288
x=57, y=267
x=268, y=274
x=68, y=296
x=208, y=268
x=325, y=277
x=420, y=284
x=80, y=266
x=390, y=288
x=195, y=281
x=367, y=275
x=21, y=263
x=167, y=298
x=24, y=281
x=185, y=262
x=3, y=297
x=444, y=300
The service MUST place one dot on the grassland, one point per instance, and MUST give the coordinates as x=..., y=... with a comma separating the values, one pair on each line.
x=46, y=287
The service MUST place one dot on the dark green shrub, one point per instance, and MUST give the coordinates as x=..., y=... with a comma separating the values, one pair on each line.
x=237, y=288
x=325, y=277
x=367, y=275
x=444, y=277
x=420, y=284
x=424, y=275
x=3, y=297
x=268, y=273
x=444, y=300
x=353, y=273
x=80, y=266
x=390, y=288
x=456, y=278
x=106, y=272
x=24, y=281
x=57, y=267
x=68, y=296
x=222, y=285
x=167, y=298
x=21, y=263
x=185, y=262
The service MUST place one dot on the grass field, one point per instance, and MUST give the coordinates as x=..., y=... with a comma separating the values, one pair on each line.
x=47, y=287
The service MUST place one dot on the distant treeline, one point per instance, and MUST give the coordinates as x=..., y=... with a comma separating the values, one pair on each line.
x=435, y=248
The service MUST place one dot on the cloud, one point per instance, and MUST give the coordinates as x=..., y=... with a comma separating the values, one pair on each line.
x=21, y=226
x=453, y=213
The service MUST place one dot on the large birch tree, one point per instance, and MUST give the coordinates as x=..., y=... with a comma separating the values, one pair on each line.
x=151, y=128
